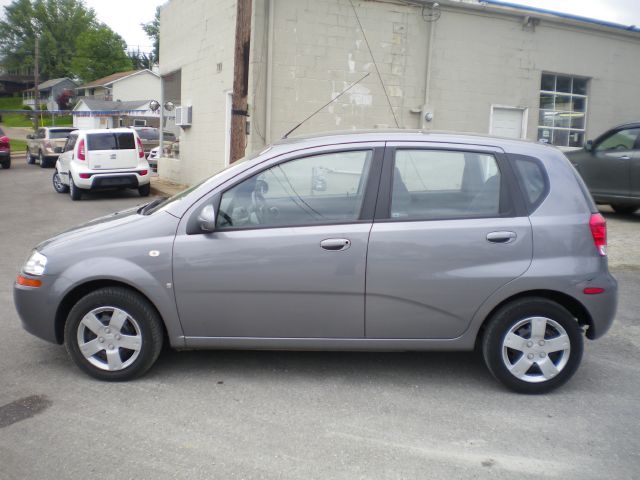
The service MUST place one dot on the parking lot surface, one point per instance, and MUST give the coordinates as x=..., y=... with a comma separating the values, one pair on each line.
x=291, y=415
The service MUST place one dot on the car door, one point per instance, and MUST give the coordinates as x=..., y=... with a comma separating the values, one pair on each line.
x=635, y=169
x=606, y=169
x=447, y=234
x=288, y=254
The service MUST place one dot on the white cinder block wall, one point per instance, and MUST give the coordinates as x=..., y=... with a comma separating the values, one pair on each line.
x=480, y=57
x=196, y=35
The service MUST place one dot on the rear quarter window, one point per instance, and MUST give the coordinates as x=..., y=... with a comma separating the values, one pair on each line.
x=532, y=178
x=111, y=141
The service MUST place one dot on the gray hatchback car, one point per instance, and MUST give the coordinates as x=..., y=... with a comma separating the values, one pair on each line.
x=358, y=241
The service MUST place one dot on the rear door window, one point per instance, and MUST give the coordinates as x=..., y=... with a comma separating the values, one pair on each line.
x=111, y=141
x=439, y=184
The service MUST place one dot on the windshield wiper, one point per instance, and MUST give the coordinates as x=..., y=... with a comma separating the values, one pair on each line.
x=145, y=208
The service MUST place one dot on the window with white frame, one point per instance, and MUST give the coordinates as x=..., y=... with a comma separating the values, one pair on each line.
x=563, y=110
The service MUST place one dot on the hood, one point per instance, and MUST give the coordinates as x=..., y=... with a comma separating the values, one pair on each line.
x=100, y=225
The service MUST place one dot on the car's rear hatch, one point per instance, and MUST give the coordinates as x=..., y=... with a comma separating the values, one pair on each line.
x=111, y=150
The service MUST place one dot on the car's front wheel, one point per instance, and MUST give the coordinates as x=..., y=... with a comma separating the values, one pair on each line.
x=6, y=164
x=113, y=334
x=58, y=186
x=30, y=158
x=532, y=345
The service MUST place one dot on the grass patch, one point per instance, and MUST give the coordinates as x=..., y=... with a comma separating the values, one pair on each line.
x=24, y=120
x=17, y=146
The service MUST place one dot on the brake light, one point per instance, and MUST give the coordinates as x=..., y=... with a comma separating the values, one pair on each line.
x=82, y=155
x=140, y=148
x=48, y=145
x=84, y=175
x=4, y=142
x=143, y=172
x=598, y=226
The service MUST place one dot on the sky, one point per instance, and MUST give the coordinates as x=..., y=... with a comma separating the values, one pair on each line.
x=125, y=16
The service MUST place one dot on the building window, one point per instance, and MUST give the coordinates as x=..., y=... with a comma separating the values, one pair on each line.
x=563, y=110
x=139, y=123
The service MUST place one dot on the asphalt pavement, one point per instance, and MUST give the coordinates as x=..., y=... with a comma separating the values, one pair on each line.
x=292, y=415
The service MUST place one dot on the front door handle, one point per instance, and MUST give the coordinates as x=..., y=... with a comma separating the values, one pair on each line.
x=625, y=157
x=335, y=244
x=501, y=237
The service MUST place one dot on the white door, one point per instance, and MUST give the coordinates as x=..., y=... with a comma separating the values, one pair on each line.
x=507, y=122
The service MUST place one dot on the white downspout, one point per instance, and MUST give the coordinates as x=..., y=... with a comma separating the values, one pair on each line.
x=268, y=83
x=427, y=109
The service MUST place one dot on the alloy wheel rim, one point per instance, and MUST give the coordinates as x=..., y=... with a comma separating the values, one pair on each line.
x=56, y=181
x=109, y=338
x=536, y=349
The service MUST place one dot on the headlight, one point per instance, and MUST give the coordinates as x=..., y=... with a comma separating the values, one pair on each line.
x=36, y=264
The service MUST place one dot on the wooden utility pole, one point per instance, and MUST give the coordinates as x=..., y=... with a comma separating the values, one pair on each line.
x=239, y=103
x=36, y=79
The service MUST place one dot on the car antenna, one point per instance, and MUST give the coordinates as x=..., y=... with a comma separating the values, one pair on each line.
x=384, y=89
x=328, y=103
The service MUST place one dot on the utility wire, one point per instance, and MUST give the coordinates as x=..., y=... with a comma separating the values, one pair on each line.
x=375, y=64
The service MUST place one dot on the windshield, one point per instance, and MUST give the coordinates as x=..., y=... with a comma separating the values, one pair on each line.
x=179, y=196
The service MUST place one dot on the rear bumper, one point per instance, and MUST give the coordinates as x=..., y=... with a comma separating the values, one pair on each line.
x=602, y=307
x=109, y=180
x=5, y=155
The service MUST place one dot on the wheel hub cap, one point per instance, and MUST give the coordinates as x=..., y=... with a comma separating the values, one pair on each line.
x=536, y=349
x=109, y=338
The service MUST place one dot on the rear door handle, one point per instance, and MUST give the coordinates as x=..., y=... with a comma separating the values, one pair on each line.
x=501, y=237
x=335, y=244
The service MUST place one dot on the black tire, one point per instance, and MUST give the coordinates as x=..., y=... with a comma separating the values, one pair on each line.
x=625, y=209
x=74, y=192
x=499, y=357
x=144, y=190
x=30, y=159
x=58, y=186
x=44, y=163
x=143, y=327
x=6, y=164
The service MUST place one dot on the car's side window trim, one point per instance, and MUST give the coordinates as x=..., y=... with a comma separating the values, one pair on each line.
x=509, y=196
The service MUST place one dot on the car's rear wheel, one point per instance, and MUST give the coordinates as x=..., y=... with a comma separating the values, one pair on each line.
x=58, y=186
x=44, y=163
x=6, y=164
x=74, y=192
x=113, y=334
x=624, y=209
x=532, y=345
x=144, y=190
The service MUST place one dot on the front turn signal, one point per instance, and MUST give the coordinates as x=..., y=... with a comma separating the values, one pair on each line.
x=28, y=282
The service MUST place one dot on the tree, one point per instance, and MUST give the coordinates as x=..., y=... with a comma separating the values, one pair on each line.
x=100, y=52
x=57, y=23
x=152, y=29
x=140, y=60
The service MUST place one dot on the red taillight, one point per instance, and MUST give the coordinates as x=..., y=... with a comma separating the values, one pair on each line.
x=81, y=151
x=84, y=175
x=143, y=172
x=598, y=226
x=4, y=142
x=140, y=148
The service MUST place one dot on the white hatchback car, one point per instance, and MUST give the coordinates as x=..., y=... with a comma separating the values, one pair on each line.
x=102, y=159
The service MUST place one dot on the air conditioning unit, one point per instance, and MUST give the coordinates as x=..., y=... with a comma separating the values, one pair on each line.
x=183, y=116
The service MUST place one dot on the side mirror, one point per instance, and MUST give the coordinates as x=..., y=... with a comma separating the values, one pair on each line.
x=588, y=146
x=30, y=137
x=57, y=150
x=207, y=219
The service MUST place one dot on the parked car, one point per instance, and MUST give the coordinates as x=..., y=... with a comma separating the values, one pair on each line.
x=355, y=241
x=102, y=159
x=610, y=166
x=150, y=138
x=5, y=150
x=46, y=145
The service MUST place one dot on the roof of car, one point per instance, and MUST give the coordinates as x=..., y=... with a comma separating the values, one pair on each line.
x=390, y=135
x=106, y=130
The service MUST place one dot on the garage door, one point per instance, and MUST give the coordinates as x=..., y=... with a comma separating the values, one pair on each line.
x=507, y=122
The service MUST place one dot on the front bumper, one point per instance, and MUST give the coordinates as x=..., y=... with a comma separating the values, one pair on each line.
x=37, y=309
x=5, y=155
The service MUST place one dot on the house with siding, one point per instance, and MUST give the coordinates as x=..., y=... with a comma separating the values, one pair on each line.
x=468, y=66
x=127, y=86
x=49, y=92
